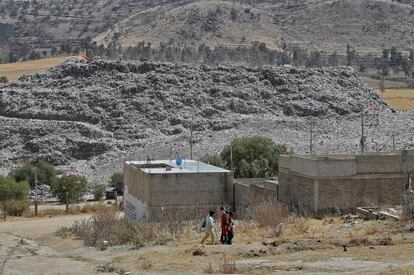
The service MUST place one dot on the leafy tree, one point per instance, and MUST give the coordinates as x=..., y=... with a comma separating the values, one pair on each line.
x=299, y=56
x=3, y=79
x=382, y=87
x=70, y=188
x=214, y=159
x=333, y=59
x=314, y=59
x=351, y=55
x=253, y=156
x=98, y=191
x=45, y=173
x=11, y=190
x=116, y=178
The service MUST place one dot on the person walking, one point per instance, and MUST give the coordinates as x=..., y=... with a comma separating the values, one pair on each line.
x=209, y=228
x=230, y=234
x=223, y=225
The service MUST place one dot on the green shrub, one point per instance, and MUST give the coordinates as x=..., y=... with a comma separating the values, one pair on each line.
x=15, y=207
x=70, y=188
x=45, y=173
x=3, y=80
x=98, y=190
x=253, y=157
x=116, y=178
x=214, y=159
x=10, y=193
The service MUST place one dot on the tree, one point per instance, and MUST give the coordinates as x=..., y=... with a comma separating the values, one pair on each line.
x=382, y=87
x=98, y=191
x=70, y=189
x=253, y=156
x=333, y=59
x=11, y=190
x=351, y=55
x=45, y=173
x=117, y=178
x=314, y=59
x=214, y=159
x=3, y=79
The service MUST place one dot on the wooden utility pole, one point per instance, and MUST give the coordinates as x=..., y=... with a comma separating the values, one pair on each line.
x=191, y=140
x=393, y=141
x=35, y=182
x=362, y=142
x=311, y=138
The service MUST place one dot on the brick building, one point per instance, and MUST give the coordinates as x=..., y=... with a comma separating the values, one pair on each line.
x=345, y=181
x=160, y=185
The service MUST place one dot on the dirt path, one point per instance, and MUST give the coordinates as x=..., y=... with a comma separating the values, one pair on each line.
x=32, y=247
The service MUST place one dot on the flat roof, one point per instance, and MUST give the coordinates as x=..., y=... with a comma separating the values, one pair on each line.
x=170, y=167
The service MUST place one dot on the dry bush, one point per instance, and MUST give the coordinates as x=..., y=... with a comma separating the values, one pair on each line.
x=270, y=214
x=177, y=223
x=374, y=230
x=106, y=226
x=76, y=209
x=15, y=207
x=209, y=269
x=299, y=225
x=359, y=241
x=146, y=264
x=228, y=267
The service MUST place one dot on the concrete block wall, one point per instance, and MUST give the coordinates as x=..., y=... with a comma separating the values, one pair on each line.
x=296, y=190
x=138, y=183
x=161, y=194
x=241, y=194
x=358, y=191
x=191, y=189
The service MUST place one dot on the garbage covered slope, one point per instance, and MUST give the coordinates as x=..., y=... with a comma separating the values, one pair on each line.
x=78, y=111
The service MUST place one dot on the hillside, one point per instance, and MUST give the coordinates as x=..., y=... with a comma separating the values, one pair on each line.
x=95, y=115
x=47, y=25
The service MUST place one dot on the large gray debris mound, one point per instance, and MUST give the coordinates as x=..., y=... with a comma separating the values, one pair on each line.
x=103, y=110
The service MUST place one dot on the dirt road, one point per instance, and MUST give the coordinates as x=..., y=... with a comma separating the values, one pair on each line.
x=31, y=246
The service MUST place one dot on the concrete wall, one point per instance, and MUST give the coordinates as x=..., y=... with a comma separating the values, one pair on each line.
x=296, y=190
x=136, y=193
x=241, y=194
x=359, y=191
x=188, y=189
x=341, y=182
x=162, y=193
x=323, y=167
x=137, y=182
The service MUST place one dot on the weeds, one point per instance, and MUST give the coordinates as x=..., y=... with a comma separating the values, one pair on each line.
x=228, y=267
x=209, y=269
x=73, y=210
x=106, y=228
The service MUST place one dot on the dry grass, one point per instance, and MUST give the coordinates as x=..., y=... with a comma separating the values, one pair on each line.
x=15, y=70
x=73, y=210
x=372, y=230
x=228, y=266
x=107, y=229
x=401, y=99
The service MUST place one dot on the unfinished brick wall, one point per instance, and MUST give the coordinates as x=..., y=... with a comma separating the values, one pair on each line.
x=355, y=192
x=183, y=193
x=296, y=190
x=190, y=189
